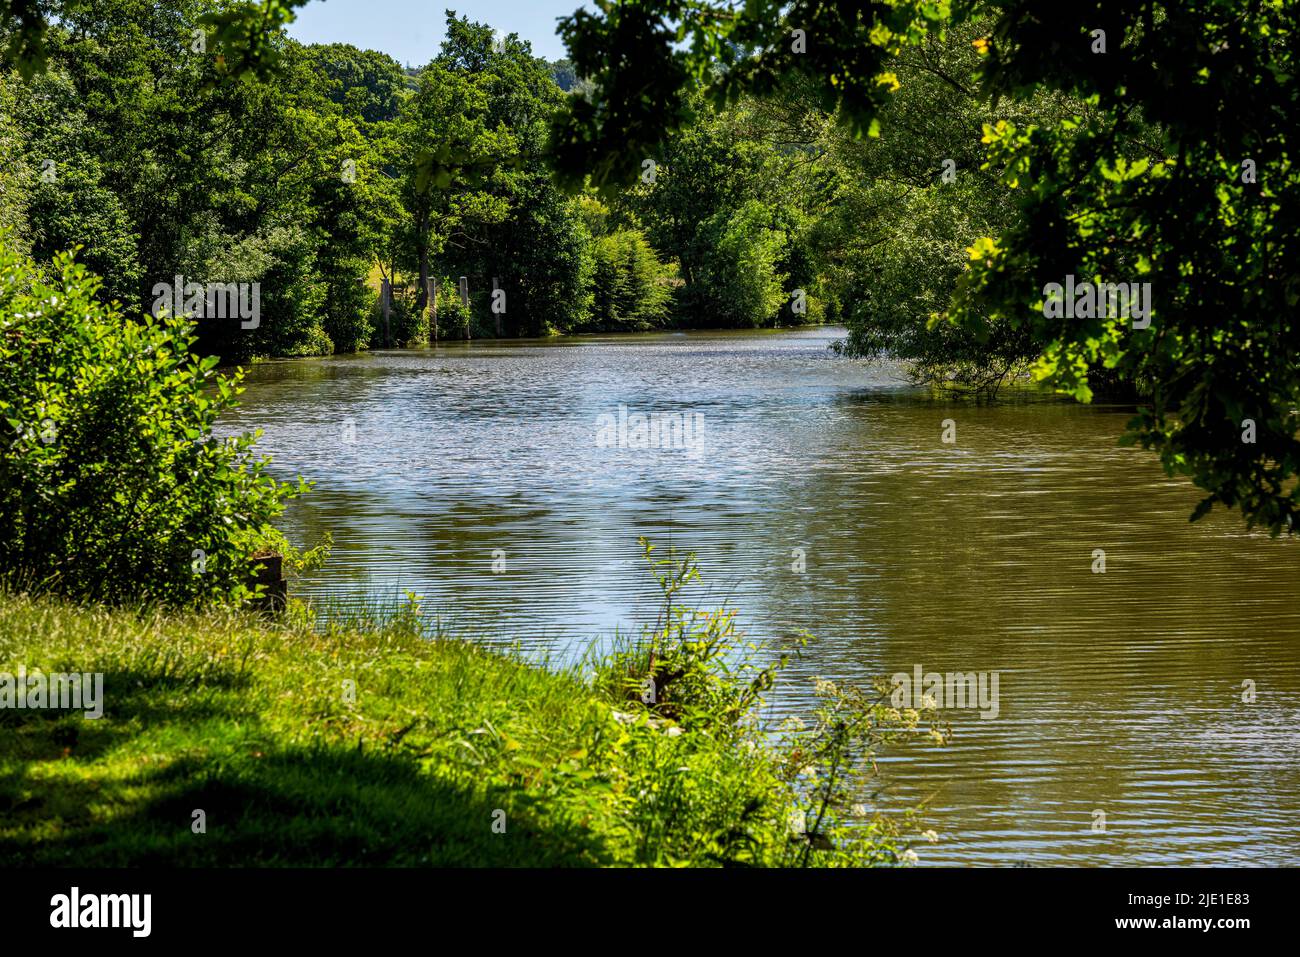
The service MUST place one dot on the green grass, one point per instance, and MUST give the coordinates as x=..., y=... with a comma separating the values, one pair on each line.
x=250, y=723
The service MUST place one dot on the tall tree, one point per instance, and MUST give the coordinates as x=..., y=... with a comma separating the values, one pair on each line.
x=450, y=157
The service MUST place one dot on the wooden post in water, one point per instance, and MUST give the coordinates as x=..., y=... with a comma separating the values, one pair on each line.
x=431, y=294
x=386, y=297
x=495, y=286
x=464, y=301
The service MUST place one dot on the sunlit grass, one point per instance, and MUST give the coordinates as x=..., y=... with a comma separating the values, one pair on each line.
x=432, y=743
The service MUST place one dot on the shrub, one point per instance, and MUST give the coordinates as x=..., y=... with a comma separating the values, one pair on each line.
x=112, y=486
x=407, y=326
x=346, y=315
x=739, y=283
x=281, y=260
x=631, y=287
x=453, y=317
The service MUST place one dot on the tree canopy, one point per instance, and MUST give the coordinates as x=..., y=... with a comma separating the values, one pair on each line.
x=936, y=174
x=1172, y=169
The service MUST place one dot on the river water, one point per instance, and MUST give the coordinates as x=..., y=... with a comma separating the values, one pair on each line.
x=820, y=495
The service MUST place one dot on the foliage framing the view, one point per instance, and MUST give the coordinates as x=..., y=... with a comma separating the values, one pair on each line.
x=1151, y=186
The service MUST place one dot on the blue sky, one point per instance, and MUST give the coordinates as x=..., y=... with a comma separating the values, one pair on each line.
x=410, y=30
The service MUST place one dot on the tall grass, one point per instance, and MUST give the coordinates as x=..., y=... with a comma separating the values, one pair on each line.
x=380, y=740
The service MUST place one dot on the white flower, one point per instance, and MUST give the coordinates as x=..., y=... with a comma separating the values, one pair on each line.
x=908, y=856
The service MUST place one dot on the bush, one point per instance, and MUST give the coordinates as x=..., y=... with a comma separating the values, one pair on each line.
x=739, y=283
x=631, y=287
x=346, y=314
x=281, y=260
x=112, y=486
x=407, y=326
x=453, y=317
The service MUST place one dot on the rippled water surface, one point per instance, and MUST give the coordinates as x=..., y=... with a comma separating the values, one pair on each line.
x=1119, y=692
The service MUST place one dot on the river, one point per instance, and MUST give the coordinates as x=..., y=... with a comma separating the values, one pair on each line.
x=820, y=495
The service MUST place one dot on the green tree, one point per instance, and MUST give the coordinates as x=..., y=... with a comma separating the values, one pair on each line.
x=368, y=86
x=161, y=169
x=895, y=214
x=69, y=198
x=538, y=250
x=1202, y=217
x=631, y=288
x=1205, y=214
x=16, y=175
x=737, y=281
x=450, y=158
x=686, y=197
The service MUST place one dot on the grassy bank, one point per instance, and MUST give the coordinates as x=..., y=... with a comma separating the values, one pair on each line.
x=365, y=747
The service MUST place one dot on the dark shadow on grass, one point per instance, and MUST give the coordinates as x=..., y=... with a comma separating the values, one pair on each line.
x=294, y=808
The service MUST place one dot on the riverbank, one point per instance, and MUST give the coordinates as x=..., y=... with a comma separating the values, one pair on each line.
x=229, y=741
